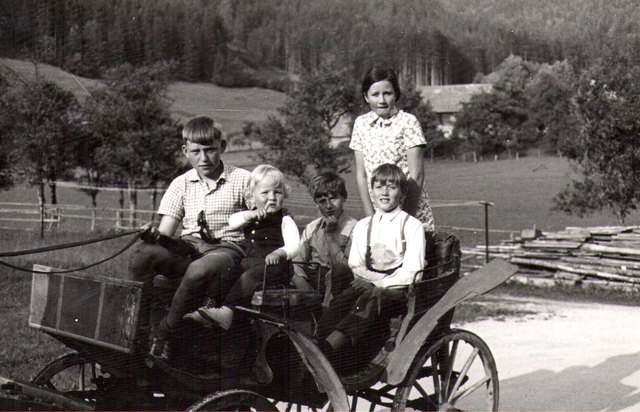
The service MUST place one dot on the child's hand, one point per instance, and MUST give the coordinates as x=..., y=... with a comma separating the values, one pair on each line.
x=150, y=234
x=331, y=222
x=258, y=214
x=273, y=258
x=361, y=285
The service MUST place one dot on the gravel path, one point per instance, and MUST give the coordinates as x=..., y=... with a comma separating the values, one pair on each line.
x=568, y=356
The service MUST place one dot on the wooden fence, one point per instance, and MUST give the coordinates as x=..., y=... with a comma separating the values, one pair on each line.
x=32, y=216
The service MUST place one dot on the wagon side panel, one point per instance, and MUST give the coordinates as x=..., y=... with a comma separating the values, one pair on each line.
x=100, y=310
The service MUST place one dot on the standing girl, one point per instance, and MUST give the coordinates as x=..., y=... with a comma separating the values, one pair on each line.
x=271, y=238
x=389, y=135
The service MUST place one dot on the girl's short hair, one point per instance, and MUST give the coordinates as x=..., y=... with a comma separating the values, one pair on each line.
x=327, y=184
x=378, y=74
x=260, y=173
x=201, y=130
x=390, y=173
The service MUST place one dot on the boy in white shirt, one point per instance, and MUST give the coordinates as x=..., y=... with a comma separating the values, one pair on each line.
x=388, y=250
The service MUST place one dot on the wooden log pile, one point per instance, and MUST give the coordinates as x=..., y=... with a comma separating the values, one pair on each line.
x=603, y=256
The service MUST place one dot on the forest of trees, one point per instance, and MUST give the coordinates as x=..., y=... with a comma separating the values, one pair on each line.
x=262, y=42
x=546, y=30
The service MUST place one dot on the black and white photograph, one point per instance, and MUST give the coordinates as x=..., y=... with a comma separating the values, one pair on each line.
x=329, y=205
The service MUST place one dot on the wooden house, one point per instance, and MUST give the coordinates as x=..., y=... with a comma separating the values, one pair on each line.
x=447, y=100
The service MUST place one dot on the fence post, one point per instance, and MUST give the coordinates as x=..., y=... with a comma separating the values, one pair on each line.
x=486, y=229
x=42, y=211
x=154, y=198
x=57, y=218
x=93, y=219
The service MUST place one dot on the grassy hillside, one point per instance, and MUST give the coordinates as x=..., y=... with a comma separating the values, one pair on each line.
x=231, y=107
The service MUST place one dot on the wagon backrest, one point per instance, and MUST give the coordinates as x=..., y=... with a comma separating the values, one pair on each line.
x=442, y=270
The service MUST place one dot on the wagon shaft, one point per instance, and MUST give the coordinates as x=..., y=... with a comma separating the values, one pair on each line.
x=16, y=395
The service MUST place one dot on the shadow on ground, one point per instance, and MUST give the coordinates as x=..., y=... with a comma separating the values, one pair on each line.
x=612, y=385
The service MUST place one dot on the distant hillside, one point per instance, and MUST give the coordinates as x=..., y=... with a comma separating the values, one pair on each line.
x=231, y=107
x=543, y=29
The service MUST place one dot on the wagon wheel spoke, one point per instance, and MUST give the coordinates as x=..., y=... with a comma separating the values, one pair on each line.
x=437, y=389
x=420, y=389
x=463, y=373
x=471, y=389
x=449, y=371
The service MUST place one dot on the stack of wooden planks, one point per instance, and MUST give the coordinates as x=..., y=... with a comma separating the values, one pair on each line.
x=603, y=255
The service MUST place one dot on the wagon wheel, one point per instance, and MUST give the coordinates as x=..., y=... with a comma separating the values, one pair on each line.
x=72, y=375
x=466, y=378
x=80, y=378
x=233, y=400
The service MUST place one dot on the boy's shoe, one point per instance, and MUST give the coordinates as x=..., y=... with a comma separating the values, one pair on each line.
x=209, y=316
x=160, y=348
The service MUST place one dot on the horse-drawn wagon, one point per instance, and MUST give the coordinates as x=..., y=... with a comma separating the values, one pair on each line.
x=267, y=360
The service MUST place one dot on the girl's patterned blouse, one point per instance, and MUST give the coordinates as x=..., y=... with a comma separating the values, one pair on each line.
x=386, y=140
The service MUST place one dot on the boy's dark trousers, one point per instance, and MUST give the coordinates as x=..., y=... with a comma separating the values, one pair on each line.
x=252, y=279
x=358, y=315
x=210, y=269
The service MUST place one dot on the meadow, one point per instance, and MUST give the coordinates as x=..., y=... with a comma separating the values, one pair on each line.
x=520, y=190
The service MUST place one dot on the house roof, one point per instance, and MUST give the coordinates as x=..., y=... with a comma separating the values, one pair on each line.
x=449, y=98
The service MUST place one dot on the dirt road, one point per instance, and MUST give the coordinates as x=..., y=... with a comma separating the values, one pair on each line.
x=568, y=356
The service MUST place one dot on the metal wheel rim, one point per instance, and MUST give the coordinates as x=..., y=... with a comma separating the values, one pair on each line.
x=72, y=375
x=233, y=400
x=448, y=389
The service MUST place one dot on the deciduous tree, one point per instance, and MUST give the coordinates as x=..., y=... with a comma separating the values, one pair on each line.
x=606, y=151
x=6, y=122
x=299, y=142
x=40, y=129
x=552, y=123
x=132, y=139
